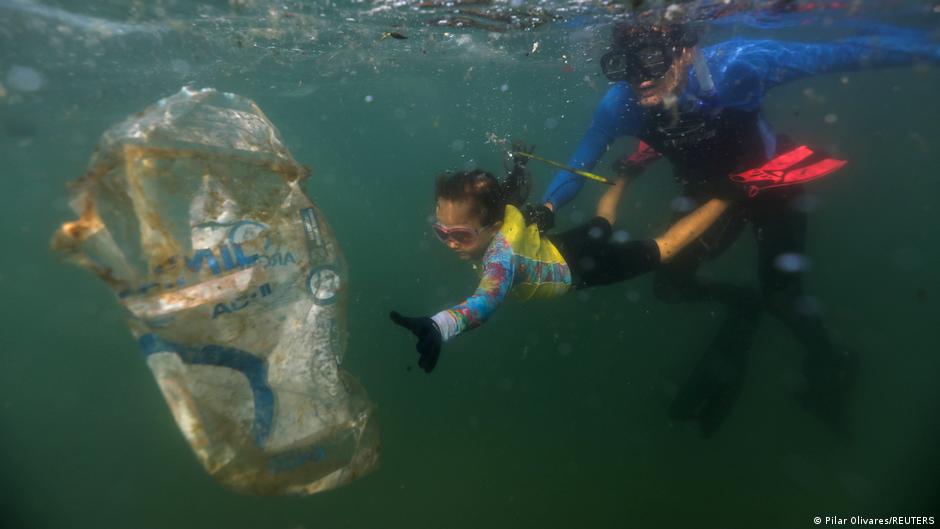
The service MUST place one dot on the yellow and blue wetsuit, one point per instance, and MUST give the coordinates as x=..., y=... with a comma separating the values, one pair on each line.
x=522, y=262
x=518, y=260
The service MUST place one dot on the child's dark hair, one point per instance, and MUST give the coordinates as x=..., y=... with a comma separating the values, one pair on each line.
x=487, y=194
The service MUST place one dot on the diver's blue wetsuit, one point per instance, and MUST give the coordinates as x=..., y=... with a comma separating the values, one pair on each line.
x=743, y=71
x=712, y=135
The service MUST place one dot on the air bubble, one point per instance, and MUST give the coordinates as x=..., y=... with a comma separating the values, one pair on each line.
x=791, y=262
x=180, y=67
x=682, y=204
x=24, y=79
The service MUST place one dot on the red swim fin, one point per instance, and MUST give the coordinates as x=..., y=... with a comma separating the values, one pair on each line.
x=790, y=168
x=637, y=162
x=643, y=155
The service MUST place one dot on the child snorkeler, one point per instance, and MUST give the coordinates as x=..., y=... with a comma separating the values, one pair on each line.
x=479, y=218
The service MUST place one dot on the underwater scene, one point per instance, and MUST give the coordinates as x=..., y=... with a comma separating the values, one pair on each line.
x=469, y=263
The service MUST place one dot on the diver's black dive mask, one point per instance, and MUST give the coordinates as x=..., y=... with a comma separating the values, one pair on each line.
x=646, y=57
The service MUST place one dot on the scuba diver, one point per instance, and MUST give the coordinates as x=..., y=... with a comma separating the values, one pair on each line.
x=700, y=108
x=479, y=218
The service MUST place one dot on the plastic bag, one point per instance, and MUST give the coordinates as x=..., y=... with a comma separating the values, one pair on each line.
x=193, y=213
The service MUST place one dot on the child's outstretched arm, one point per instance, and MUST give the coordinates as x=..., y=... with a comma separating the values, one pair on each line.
x=433, y=331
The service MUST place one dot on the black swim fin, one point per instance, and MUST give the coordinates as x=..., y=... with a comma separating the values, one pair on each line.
x=830, y=379
x=710, y=392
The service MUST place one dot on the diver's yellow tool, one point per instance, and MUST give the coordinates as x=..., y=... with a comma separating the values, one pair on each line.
x=578, y=172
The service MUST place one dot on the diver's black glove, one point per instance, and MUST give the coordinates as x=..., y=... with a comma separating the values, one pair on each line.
x=628, y=170
x=539, y=215
x=429, y=338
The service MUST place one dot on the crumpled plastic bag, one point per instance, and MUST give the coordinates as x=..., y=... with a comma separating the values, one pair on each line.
x=194, y=213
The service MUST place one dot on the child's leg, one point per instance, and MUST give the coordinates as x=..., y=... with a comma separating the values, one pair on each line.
x=595, y=259
x=689, y=228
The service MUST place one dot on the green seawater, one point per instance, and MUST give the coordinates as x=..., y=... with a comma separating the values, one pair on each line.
x=551, y=415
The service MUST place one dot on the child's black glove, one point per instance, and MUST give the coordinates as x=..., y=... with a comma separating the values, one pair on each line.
x=539, y=215
x=429, y=338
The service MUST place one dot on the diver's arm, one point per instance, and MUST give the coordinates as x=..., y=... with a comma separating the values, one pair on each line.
x=491, y=292
x=565, y=186
x=617, y=115
x=628, y=168
x=689, y=228
x=760, y=65
x=607, y=205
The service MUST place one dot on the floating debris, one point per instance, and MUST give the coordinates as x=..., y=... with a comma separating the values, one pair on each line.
x=464, y=22
x=489, y=17
x=492, y=137
x=452, y=3
x=246, y=350
x=590, y=82
x=393, y=35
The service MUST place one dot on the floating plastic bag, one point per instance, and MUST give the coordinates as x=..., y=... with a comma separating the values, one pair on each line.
x=193, y=212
